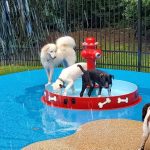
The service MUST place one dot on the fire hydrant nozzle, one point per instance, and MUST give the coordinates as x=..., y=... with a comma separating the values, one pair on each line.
x=90, y=53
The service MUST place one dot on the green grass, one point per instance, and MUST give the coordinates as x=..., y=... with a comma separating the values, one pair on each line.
x=115, y=60
x=121, y=60
x=12, y=69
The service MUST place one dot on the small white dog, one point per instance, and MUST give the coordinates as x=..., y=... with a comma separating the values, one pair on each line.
x=53, y=55
x=68, y=76
x=146, y=125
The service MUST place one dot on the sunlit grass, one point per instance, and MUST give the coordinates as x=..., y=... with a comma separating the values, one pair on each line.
x=12, y=69
x=121, y=60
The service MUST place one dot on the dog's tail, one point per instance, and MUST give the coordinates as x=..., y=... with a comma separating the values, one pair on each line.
x=81, y=68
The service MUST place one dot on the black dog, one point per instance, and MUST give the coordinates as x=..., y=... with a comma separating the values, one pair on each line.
x=90, y=78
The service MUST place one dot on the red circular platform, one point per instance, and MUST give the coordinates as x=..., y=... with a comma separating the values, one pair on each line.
x=94, y=103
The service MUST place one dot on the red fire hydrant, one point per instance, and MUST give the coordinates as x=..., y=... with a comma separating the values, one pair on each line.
x=90, y=53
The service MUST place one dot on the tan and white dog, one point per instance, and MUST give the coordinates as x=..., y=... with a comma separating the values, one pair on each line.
x=68, y=76
x=146, y=125
x=53, y=55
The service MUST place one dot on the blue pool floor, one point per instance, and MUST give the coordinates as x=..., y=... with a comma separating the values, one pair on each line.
x=119, y=87
x=24, y=119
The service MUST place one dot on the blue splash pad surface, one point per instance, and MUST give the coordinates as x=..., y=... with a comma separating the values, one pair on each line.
x=119, y=87
x=24, y=119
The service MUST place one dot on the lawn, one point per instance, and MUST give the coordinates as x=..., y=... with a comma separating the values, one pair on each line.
x=119, y=51
x=11, y=69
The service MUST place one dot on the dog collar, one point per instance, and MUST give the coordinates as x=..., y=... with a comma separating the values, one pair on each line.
x=62, y=82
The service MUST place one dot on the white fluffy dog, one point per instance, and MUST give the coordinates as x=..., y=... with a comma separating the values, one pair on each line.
x=64, y=42
x=146, y=125
x=68, y=76
x=53, y=55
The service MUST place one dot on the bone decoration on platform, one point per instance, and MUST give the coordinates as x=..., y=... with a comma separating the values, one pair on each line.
x=101, y=105
x=126, y=100
x=52, y=98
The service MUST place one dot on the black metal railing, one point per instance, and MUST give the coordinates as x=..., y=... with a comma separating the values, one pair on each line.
x=122, y=28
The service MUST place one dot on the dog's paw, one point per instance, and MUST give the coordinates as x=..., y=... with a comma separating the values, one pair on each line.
x=141, y=148
x=47, y=84
x=73, y=91
x=64, y=94
x=99, y=95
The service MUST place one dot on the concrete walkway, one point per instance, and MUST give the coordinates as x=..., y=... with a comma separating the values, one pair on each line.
x=98, y=135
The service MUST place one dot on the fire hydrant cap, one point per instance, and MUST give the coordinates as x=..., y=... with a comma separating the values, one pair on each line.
x=90, y=41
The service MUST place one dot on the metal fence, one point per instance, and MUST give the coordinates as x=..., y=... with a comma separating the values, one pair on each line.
x=122, y=28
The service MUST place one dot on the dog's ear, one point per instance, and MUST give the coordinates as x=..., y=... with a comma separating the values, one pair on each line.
x=61, y=86
x=101, y=74
x=144, y=110
x=65, y=45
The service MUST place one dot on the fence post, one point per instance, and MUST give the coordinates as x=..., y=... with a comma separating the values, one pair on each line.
x=139, y=33
x=65, y=17
x=7, y=50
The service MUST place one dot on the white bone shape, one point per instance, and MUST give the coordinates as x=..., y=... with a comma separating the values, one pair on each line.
x=52, y=98
x=101, y=105
x=120, y=100
x=44, y=93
